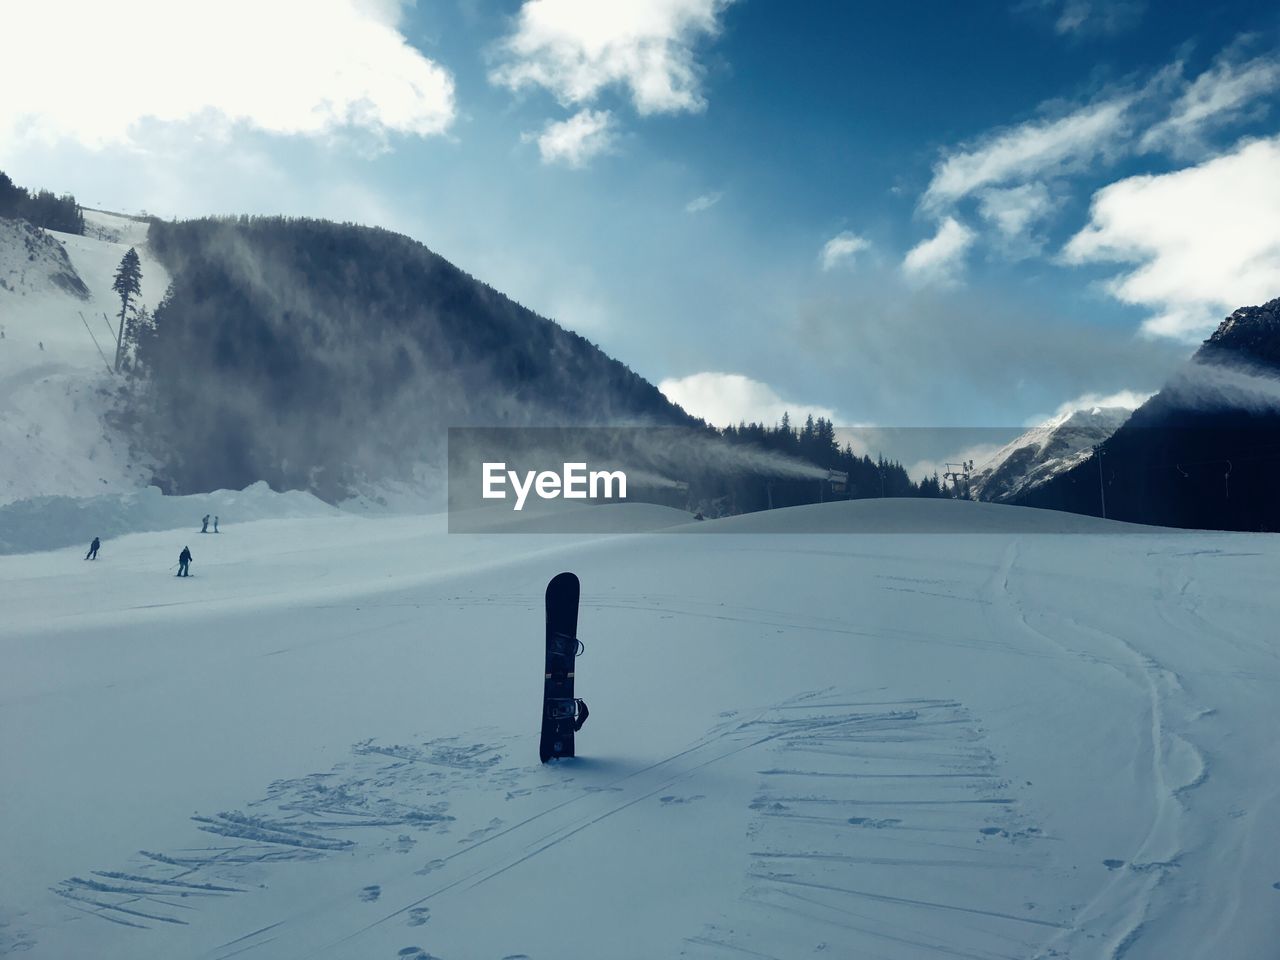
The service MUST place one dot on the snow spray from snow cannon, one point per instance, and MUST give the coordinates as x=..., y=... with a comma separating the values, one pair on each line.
x=562, y=714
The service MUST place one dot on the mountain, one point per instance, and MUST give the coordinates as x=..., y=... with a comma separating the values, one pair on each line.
x=334, y=359
x=317, y=356
x=1251, y=334
x=1202, y=452
x=1044, y=452
x=57, y=327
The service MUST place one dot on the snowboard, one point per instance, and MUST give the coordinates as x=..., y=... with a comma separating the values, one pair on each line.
x=558, y=704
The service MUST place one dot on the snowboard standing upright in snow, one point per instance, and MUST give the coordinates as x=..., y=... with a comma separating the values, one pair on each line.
x=559, y=708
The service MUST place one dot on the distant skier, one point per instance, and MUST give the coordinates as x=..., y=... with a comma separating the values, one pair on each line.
x=93, y=549
x=204, y=524
x=581, y=718
x=184, y=561
x=215, y=524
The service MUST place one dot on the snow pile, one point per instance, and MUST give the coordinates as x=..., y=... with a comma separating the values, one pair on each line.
x=46, y=523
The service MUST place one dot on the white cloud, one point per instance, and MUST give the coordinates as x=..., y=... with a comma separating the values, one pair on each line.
x=939, y=259
x=1029, y=150
x=841, y=248
x=577, y=48
x=573, y=142
x=1124, y=399
x=1085, y=17
x=289, y=67
x=1014, y=212
x=1203, y=240
x=704, y=202
x=724, y=399
x=1216, y=97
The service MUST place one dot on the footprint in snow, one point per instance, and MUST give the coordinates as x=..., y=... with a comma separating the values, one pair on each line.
x=1113, y=864
x=418, y=916
x=873, y=823
x=673, y=800
x=370, y=893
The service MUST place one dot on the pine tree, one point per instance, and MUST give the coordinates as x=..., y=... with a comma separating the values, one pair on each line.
x=11, y=197
x=128, y=284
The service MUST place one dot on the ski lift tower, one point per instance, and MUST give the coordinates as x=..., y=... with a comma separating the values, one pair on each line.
x=960, y=474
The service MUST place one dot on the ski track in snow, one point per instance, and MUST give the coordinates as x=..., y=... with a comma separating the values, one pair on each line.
x=1117, y=913
x=900, y=785
x=852, y=821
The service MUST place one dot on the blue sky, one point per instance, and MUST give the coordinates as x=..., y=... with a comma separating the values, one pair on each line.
x=906, y=214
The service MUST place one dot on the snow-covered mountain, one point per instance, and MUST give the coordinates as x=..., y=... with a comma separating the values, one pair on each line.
x=1202, y=452
x=56, y=314
x=1044, y=452
x=319, y=356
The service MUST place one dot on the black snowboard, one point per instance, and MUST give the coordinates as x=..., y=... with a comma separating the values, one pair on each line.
x=558, y=704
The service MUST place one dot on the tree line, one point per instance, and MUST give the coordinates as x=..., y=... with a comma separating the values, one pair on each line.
x=40, y=207
x=817, y=442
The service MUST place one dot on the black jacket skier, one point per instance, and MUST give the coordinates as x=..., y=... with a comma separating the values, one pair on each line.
x=184, y=560
x=93, y=550
x=204, y=524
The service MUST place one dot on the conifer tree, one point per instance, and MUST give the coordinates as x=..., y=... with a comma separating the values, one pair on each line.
x=128, y=284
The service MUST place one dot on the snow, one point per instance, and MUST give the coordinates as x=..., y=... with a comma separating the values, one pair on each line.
x=324, y=743
x=45, y=523
x=915, y=516
x=54, y=383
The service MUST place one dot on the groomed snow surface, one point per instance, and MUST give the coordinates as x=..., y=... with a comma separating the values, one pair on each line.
x=324, y=743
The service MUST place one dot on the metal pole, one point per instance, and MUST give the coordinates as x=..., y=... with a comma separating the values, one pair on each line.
x=1102, y=491
x=95, y=343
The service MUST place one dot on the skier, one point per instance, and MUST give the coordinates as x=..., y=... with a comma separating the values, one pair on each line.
x=184, y=560
x=204, y=524
x=215, y=524
x=581, y=718
x=93, y=550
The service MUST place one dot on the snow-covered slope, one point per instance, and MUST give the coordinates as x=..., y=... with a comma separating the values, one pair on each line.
x=33, y=262
x=324, y=744
x=54, y=382
x=1045, y=451
x=45, y=523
